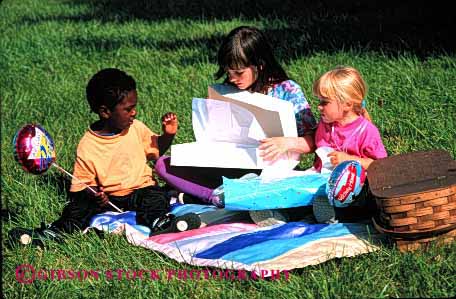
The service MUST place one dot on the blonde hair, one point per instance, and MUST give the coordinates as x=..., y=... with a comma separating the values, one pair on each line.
x=343, y=84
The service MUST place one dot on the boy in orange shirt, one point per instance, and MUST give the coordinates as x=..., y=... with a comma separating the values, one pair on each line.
x=112, y=158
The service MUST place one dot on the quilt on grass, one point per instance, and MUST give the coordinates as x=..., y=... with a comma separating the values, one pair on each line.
x=246, y=246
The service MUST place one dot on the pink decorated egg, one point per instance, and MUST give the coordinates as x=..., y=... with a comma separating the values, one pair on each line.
x=34, y=148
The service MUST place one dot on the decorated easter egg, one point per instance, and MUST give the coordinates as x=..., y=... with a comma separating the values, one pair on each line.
x=345, y=182
x=34, y=148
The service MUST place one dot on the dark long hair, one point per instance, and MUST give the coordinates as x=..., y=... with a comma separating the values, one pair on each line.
x=248, y=46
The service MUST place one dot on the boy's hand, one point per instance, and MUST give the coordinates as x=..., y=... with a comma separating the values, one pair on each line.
x=100, y=197
x=169, y=123
x=169, y=127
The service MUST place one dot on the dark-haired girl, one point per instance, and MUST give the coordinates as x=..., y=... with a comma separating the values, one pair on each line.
x=246, y=59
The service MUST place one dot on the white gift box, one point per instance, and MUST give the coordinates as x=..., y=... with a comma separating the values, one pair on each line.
x=228, y=127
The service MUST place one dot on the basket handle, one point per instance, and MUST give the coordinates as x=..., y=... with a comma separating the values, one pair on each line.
x=413, y=235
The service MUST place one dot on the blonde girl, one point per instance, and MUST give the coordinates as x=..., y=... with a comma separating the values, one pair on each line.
x=345, y=124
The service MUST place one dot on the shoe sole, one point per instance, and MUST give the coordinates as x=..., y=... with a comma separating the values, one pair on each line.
x=267, y=217
x=25, y=239
x=323, y=211
x=180, y=224
x=187, y=222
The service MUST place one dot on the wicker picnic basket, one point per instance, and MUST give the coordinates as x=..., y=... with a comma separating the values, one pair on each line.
x=416, y=198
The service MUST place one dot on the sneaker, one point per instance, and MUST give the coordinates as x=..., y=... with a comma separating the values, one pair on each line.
x=268, y=217
x=36, y=237
x=323, y=211
x=172, y=224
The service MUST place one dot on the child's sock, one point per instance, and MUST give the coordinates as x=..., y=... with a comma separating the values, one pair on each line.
x=175, y=201
x=218, y=200
x=177, y=197
x=218, y=197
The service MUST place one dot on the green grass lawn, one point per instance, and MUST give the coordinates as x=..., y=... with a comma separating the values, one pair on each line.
x=50, y=49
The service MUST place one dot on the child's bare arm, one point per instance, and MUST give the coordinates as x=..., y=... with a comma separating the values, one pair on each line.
x=272, y=148
x=169, y=127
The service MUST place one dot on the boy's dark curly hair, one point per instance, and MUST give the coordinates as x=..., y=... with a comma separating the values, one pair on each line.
x=108, y=87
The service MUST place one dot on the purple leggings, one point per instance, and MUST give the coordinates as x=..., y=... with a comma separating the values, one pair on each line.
x=197, y=181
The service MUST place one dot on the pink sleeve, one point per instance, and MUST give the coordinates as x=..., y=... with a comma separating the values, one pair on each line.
x=372, y=146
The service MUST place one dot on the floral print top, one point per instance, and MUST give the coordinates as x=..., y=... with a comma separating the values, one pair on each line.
x=290, y=91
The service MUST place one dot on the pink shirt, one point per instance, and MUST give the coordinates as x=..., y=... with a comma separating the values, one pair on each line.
x=359, y=138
